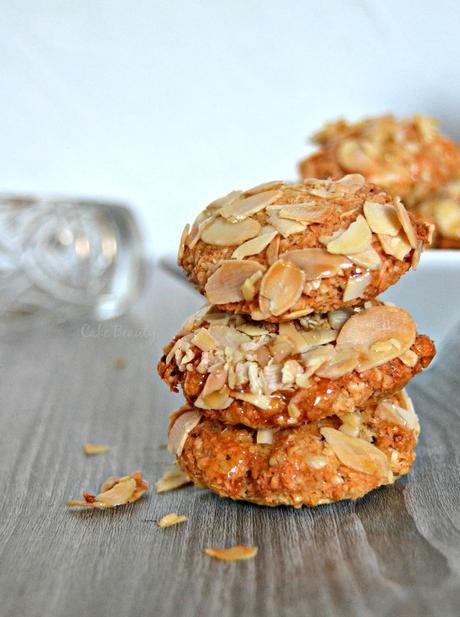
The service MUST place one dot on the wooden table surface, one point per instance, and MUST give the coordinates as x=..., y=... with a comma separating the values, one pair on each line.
x=394, y=553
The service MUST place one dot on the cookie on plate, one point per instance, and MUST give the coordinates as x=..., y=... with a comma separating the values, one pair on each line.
x=239, y=371
x=408, y=157
x=443, y=210
x=282, y=251
x=316, y=463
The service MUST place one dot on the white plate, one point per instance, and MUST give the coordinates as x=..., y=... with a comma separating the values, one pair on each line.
x=431, y=294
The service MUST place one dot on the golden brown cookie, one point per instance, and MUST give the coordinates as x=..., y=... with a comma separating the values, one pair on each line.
x=282, y=251
x=263, y=374
x=316, y=463
x=443, y=210
x=408, y=157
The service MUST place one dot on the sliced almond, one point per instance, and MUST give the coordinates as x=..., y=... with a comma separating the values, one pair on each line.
x=338, y=317
x=235, y=553
x=417, y=254
x=265, y=436
x=183, y=424
x=391, y=412
x=341, y=363
x=242, y=207
x=220, y=232
x=284, y=226
x=356, y=239
x=317, y=337
x=93, y=448
x=203, y=340
x=251, y=285
x=356, y=285
x=115, y=491
x=373, y=325
x=312, y=212
x=225, y=284
x=357, y=453
x=370, y=259
x=223, y=201
x=316, y=263
x=172, y=519
x=258, y=400
x=252, y=329
x=183, y=239
x=172, y=479
x=228, y=336
x=273, y=251
x=295, y=336
x=351, y=183
x=254, y=246
x=382, y=218
x=216, y=380
x=406, y=223
x=215, y=400
x=397, y=246
x=281, y=287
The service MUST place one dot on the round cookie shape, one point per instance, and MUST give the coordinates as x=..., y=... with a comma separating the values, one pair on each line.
x=443, y=210
x=266, y=375
x=316, y=463
x=282, y=251
x=408, y=157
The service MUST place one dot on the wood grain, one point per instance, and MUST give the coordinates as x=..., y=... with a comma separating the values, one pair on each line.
x=395, y=552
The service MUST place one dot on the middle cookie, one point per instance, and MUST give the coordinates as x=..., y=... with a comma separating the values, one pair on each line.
x=262, y=375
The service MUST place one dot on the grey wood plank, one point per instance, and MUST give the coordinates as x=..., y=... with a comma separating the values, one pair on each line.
x=395, y=552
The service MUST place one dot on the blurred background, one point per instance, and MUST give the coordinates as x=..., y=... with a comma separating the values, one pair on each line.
x=167, y=105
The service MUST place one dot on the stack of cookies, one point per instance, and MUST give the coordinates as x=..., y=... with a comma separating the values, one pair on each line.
x=294, y=373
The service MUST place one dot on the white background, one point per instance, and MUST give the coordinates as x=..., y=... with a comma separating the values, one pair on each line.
x=167, y=105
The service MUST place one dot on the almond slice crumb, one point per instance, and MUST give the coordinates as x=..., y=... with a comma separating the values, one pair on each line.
x=172, y=479
x=234, y=553
x=93, y=448
x=172, y=519
x=115, y=491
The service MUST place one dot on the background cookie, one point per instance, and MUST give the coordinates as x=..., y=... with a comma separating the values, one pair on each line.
x=408, y=157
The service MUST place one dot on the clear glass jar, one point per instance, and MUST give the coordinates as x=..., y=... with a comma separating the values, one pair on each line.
x=63, y=258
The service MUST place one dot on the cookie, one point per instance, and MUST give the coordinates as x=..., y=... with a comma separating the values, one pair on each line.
x=316, y=463
x=282, y=251
x=266, y=375
x=408, y=157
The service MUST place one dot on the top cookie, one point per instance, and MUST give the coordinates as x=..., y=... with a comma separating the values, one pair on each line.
x=282, y=251
x=409, y=157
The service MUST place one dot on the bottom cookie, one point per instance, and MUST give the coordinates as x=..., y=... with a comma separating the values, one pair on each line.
x=316, y=463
